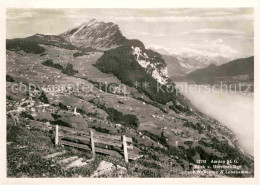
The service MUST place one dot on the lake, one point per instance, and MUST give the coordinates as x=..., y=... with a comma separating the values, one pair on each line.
x=234, y=110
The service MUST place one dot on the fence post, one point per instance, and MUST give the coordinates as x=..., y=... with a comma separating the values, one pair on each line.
x=125, y=149
x=57, y=135
x=92, y=143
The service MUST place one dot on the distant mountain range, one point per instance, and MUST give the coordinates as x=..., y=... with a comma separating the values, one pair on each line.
x=181, y=64
x=240, y=70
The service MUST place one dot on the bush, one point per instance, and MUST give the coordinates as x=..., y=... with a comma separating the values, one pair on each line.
x=179, y=108
x=68, y=70
x=8, y=97
x=78, y=54
x=161, y=139
x=196, y=126
x=99, y=129
x=61, y=123
x=118, y=117
x=43, y=98
x=203, y=143
x=51, y=64
x=149, y=164
x=153, y=103
x=55, y=116
x=9, y=78
x=26, y=115
x=188, y=143
x=174, y=109
x=63, y=107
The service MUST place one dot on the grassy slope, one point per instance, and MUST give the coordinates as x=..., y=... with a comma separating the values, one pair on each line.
x=210, y=74
x=28, y=147
x=25, y=155
x=165, y=158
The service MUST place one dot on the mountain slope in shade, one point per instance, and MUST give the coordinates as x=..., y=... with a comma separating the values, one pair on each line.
x=175, y=69
x=95, y=34
x=32, y=43
x=180, y=64
x=191, y=63
x=240, y=70
x=192, y=60
x=50, y=40
x=133, y=63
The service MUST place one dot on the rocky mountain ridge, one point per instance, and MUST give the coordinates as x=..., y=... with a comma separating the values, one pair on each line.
x=95, y=34
x=240, y=70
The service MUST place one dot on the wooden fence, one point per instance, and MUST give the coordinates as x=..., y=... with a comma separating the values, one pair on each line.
x=96, y=142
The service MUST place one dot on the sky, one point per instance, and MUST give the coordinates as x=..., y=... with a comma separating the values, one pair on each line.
x=228, y=32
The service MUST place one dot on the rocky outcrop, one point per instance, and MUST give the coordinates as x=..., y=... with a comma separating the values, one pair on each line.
x=95, y=34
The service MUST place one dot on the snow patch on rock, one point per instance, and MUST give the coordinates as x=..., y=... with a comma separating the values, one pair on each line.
x=161, y=75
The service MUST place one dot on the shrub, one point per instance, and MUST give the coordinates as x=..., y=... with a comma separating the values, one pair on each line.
x=116, y=116
x=55, y=116
x=9, y=97
x=99, y=129
x=62, y=106
x=51, y=64
x=161, y=139
x=188, y=143
x=26, y=115
x=61, y=123
x=153, y=103
x=9, y=78
x=129, y=120
x=43, y=98
x=150, y=164
x=196, y=126
x=174, y=108
x=68, y=70
x=78, y=54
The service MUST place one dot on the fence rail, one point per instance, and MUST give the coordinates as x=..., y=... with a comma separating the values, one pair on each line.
x=95, y=141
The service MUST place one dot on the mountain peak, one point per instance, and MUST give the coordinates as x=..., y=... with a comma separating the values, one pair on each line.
x=95, y=34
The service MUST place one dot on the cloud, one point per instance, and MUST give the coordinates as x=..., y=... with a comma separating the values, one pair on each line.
x=217, y=41
x=217, y=13
x=143, y=33
x=14, y=15
x=211, y=48
x=231, y=18
x=215, y=31
x=207, y=11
